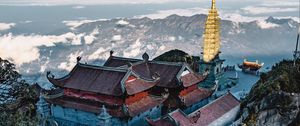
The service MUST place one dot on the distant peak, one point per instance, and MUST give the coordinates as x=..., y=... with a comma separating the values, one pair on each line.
x=173, y=16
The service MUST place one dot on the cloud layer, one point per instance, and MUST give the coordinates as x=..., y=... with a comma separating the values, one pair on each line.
x=264, y=10
x=24, y=49
x=6, y=26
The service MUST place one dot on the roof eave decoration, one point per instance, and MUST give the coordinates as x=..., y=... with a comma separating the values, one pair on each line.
x=52, y=79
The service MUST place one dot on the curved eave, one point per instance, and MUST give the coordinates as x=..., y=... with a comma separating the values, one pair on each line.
x=55, y=82
x=59, y=81
x=139, y=85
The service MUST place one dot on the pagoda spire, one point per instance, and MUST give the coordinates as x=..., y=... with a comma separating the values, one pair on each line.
x=213, y=4
x=211, y=44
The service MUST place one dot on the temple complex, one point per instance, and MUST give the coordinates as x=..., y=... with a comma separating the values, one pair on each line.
x=124, y=91
x=140, y=92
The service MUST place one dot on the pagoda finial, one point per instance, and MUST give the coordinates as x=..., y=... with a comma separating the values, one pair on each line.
x=213, y=5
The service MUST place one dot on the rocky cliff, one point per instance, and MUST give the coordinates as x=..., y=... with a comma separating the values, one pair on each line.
x=274, y=100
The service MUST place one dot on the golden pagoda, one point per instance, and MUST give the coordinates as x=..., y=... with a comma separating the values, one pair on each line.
x=211, y=42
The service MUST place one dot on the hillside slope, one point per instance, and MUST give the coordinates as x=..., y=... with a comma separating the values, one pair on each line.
x=274, y=100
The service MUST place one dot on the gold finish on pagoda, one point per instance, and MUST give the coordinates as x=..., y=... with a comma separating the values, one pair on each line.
x=211, y=42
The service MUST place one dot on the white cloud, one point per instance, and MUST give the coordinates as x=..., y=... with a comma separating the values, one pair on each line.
x=122, y=22
x=133, y=50
x=265, y=10
x=78, y=7
x=172, y=38
x=266, y=25
x=25, y=22
x=182, y=12
x=101, y=53
x=6, y=26
x=235, y=17
x=76, y=23
x=232, y=16
x=44, y=66
x=280, y=3
x=116, y=38
x=24, y=49
x=71, y=61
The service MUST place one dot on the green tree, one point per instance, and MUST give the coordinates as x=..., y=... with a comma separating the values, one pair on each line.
x=17, y=98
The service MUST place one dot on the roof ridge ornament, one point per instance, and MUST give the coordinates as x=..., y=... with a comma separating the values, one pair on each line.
x=78, y=59
x=50, y=75
x=111, y=52
x=145, y=57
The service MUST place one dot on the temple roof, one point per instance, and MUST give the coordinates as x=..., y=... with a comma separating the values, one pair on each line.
x=147, y=70
x=144, y=104
x=191, y=79
x=114, y=61
x=113, y=81
x=103, y=80
x=203, y=116
x=214, y=110
x=159, y=122
x=194, y=95
x=135, y=85
x=167, y=72
x=248, y=64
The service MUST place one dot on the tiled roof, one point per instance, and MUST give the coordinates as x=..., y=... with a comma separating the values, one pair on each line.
x=103, y=80
x=194, y=95
x=114, y=61
x=105, y=99
x=136, y=85
x=86, y=105
x=167, y=72
x=215, y=110
x=180, y=118
x=191, y=79
x=159, y=122
x=203, y=116
x=144, y=104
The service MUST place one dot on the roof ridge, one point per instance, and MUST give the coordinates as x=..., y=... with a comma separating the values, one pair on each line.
x=115, y=69
x=117, y=57
x=168, y=63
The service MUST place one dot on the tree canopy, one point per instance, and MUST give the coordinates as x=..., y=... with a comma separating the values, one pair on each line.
x=17, y=98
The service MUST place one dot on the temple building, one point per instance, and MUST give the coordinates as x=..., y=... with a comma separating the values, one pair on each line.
x=124, y=92
x=211, y=48
x=220, y=112
x=251, y=67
